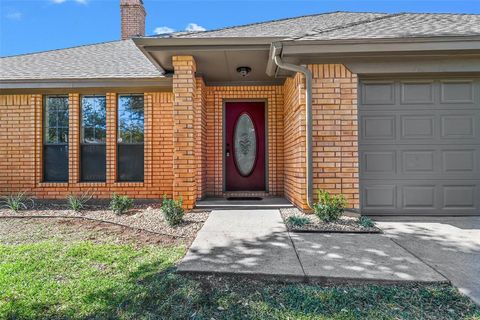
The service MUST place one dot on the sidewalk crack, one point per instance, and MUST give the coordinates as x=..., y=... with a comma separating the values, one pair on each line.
x=305, y=277
x=416, y=256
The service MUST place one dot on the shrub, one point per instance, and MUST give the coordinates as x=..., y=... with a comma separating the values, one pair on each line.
x=366, y=222
x=329, y=207
x=120, y=204
x=172, y=211
x=16, y=201
x=298, y=221
x=77, y=203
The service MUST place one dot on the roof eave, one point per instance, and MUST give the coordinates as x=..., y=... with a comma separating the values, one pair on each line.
x=379, y=46
x=160, y=82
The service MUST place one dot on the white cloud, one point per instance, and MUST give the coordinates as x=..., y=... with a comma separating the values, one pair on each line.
x=58, y=1
x=194, y=27
x=163, y=30
x=81, y=1
x=14, y=15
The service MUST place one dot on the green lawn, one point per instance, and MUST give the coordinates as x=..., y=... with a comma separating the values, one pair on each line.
x=59, y=278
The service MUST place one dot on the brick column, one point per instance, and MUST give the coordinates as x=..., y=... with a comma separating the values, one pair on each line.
x=335, y=131
x=73, y=138
x=111, y=142
x=184, y=161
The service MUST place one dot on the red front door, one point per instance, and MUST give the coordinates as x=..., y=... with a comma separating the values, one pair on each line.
x=245, y=146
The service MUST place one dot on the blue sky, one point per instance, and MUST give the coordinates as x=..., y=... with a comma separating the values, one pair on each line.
x=38, y=25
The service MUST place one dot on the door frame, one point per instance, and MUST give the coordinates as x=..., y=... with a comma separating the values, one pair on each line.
x=224, y=125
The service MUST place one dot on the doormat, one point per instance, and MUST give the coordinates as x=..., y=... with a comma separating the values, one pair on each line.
x=244, y=198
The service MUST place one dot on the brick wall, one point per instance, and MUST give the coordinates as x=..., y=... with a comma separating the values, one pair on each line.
x=295, y=129
x=17, y=142
x=335, y=134
x=184, y=124
x=216, y=96
x=21, y=145
x=184, y=139
x=335, y=131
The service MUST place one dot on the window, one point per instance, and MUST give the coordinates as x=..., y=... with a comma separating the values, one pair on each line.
x=93, y=136
x=130, y=165
x=55, y=139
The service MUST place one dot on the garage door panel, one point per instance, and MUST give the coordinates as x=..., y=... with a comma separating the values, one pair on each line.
x=419, y=146
x=417, y=92
x=420, y=126
x=419, y=197
x=378, y=92
x=419, y=162
x=441, y=197
x=457, y=91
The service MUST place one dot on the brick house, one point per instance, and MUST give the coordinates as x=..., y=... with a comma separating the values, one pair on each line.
x=384, y=108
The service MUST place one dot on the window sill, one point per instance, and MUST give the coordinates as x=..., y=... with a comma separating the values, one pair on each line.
x=53, y=184
x=129, y=184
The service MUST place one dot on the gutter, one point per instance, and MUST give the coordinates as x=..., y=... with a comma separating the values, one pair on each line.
x=308, y=117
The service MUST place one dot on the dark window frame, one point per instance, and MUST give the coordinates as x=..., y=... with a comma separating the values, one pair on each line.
x=82, y=122
x=126, y=149
x=55, y=154
x=91, y=170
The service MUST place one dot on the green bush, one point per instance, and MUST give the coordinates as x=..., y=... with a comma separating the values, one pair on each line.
x=120, y=204
x=329, y=207
x=298, y=221
x=366, y=222
x=16, y=201
x=77, y=203
x=172, y=211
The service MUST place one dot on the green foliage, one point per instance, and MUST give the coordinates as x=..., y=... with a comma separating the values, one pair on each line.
x=329, y=207
x=77, y=203
x=120, y=204
x=89, y=280
x=172, y=211
x=298, y=221
x=16, y=201
x=366, y=222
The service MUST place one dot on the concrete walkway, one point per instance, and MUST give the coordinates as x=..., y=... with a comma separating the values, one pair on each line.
x=450, y=245
x=257, y=243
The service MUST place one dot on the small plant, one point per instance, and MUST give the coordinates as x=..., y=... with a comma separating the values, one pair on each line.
x=366, y=222
x=298, y=221
x=172, y=211
x=16, y=201
x=120, y=204
x=77, y=203
x=329, y=207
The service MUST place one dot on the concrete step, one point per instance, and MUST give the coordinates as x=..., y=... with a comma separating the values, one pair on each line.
x=224, y=204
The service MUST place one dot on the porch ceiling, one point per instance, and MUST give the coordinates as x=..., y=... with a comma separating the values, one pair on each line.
x=219, y=65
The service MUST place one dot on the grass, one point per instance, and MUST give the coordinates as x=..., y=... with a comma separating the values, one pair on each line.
x=60, y=278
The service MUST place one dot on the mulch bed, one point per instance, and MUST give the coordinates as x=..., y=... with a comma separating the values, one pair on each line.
x=146, y=217
x=345, y=224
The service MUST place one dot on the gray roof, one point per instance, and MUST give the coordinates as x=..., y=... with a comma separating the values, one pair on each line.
x=404, y=25
x=109, y=60
x=350, y=25
x=291, y=27
x=123, y=60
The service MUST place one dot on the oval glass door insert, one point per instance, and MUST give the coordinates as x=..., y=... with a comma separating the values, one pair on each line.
x=245, y=142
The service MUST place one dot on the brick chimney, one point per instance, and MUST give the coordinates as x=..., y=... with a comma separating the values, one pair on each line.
x=133, y=18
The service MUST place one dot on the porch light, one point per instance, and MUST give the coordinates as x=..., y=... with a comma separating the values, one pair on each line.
x=244, y=71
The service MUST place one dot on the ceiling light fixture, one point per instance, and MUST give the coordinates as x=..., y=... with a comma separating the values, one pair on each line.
x=244, y=71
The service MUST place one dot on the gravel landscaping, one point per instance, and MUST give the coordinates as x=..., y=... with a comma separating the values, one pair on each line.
x=345, y=224
x=147, y=217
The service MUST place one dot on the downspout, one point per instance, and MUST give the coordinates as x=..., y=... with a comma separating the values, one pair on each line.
x=308, y=117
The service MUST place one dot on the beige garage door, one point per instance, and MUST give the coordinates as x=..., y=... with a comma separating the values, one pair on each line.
x=419, y=142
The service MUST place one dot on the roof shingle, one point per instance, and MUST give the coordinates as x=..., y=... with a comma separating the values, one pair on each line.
x=109, y=60
x=404, y=25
